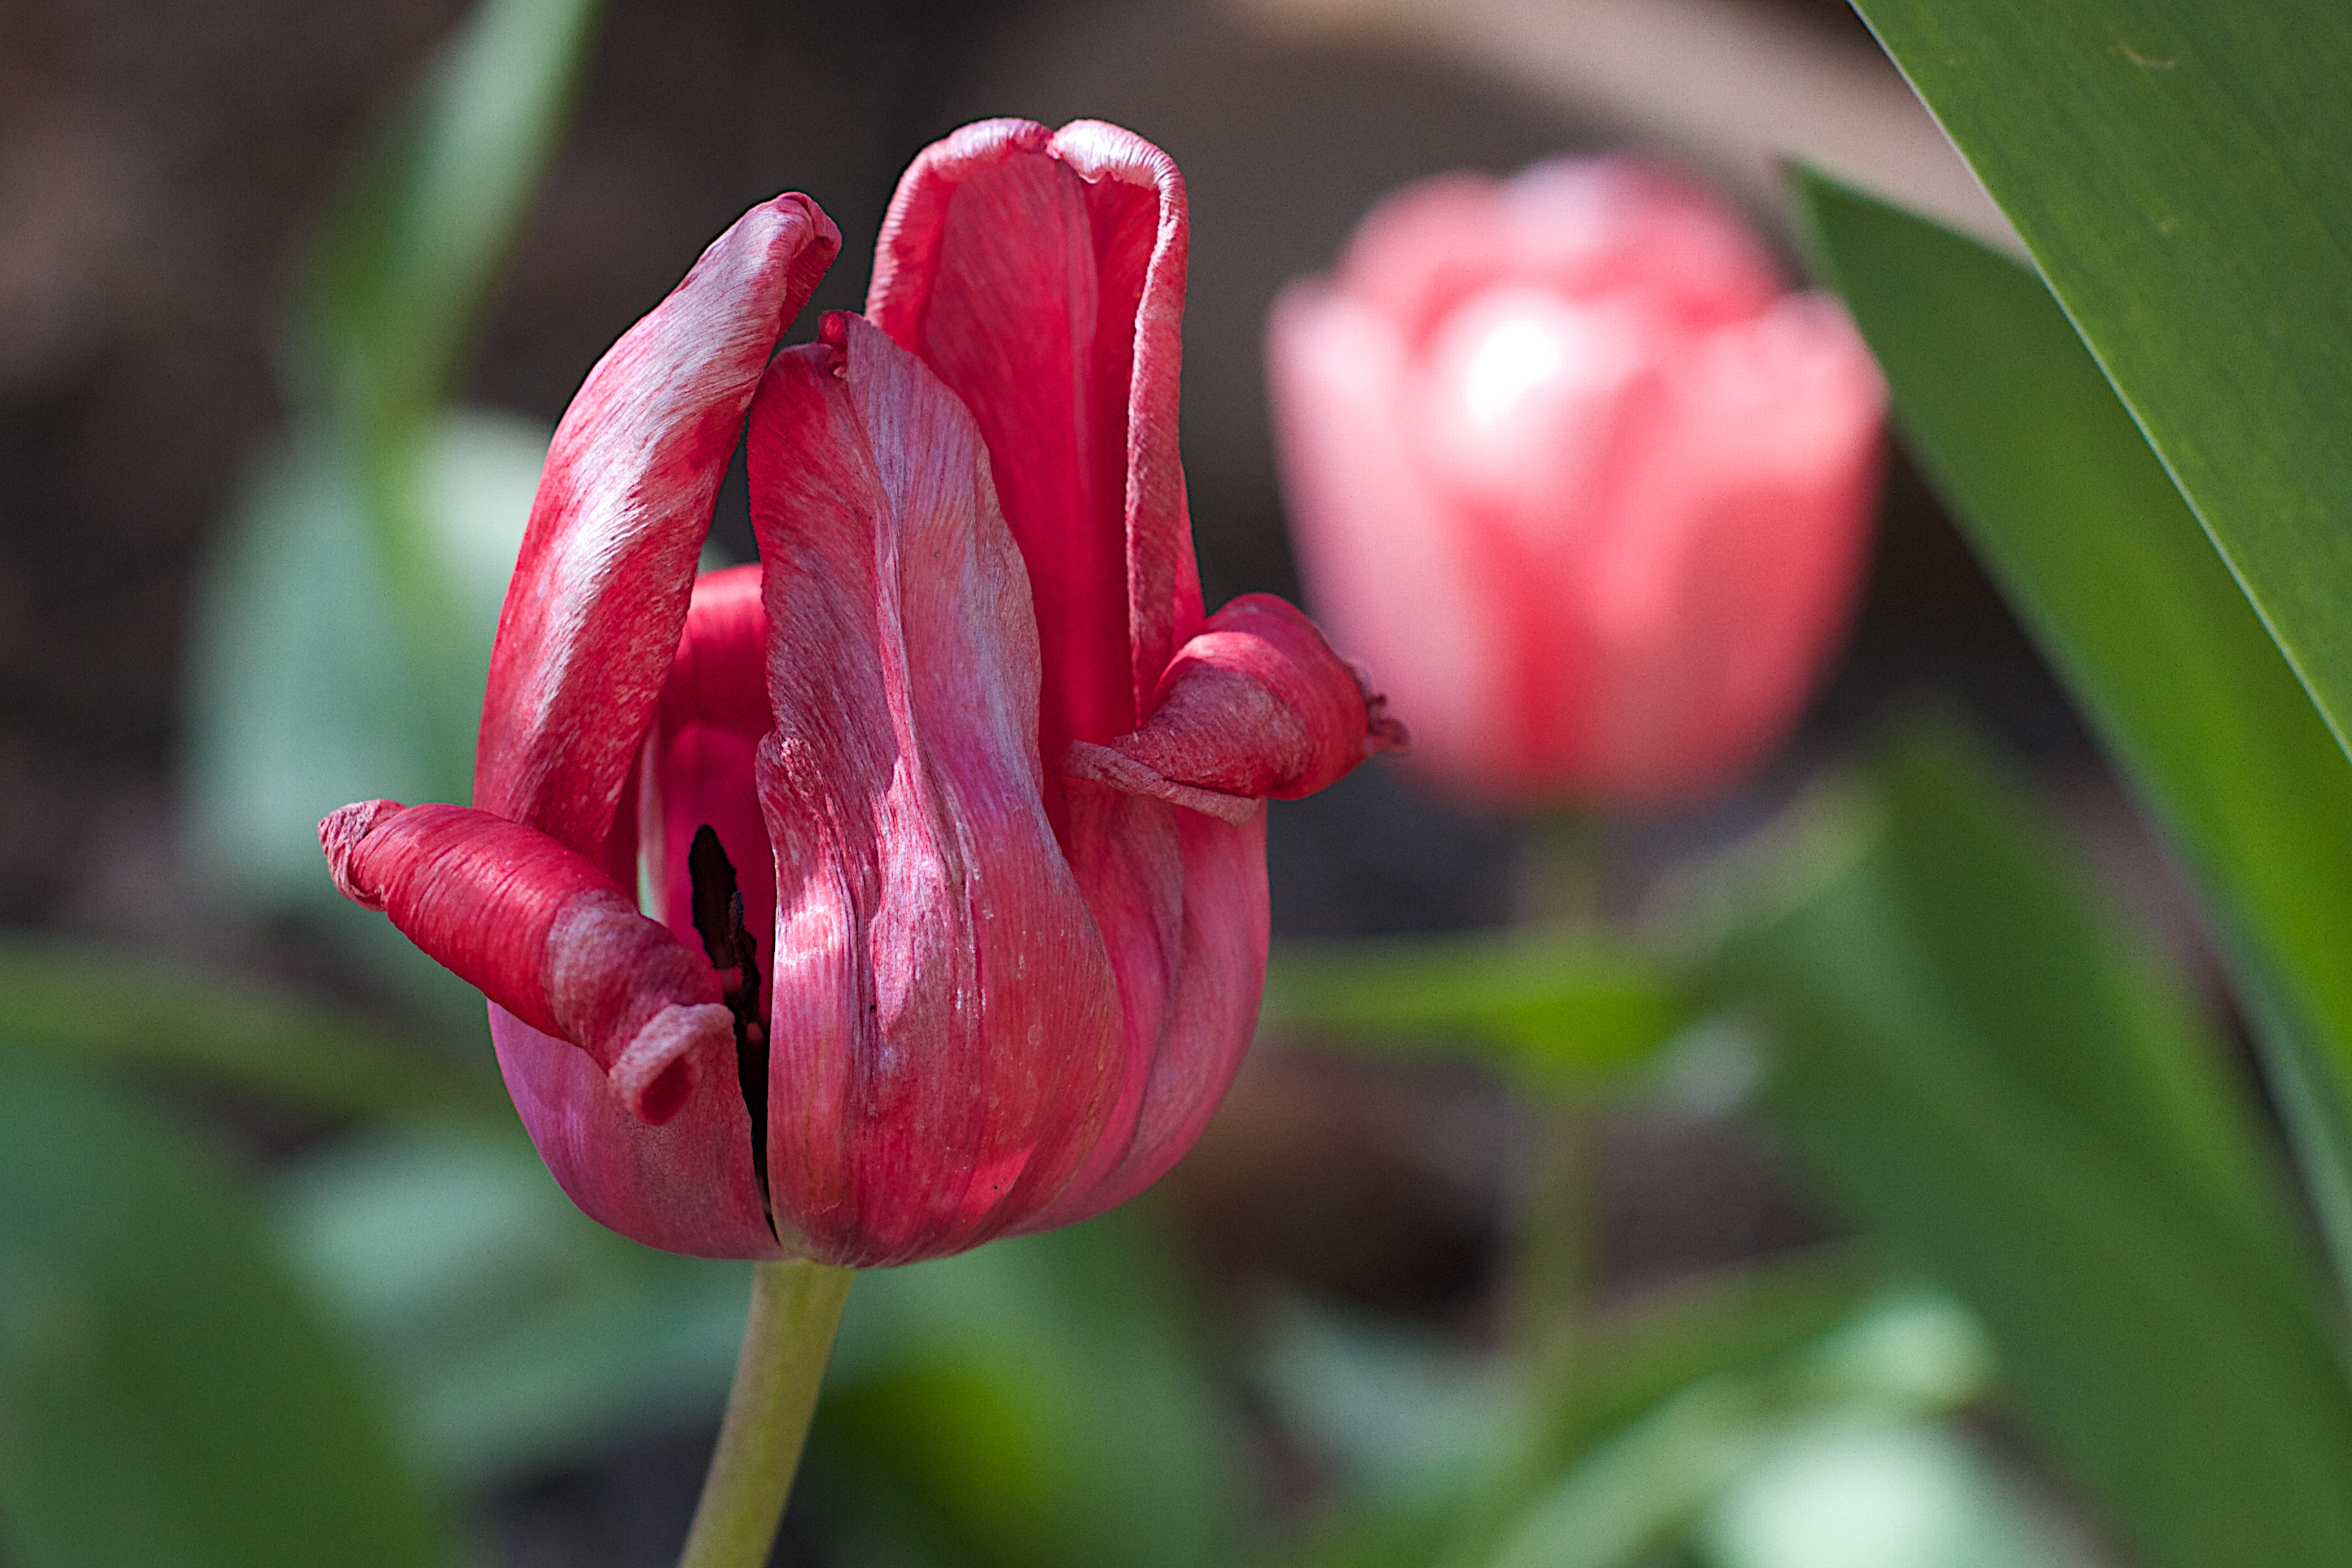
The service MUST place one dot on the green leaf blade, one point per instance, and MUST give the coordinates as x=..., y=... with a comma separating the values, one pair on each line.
x=407, y=261
x=2165, y=1337
x=1548, y=1009
x=81, y=1001
x=2178, y=170
x=2061, y=497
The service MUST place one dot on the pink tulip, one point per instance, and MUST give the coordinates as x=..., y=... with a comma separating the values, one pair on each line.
x=948, y=813
x=1587, y=490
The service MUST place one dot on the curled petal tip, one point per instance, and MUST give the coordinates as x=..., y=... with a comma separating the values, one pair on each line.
x=1256, y=705
x=541, y=931
x=1102, y=765
x=653, y=1074
x=1383, y=731
x=342, y=833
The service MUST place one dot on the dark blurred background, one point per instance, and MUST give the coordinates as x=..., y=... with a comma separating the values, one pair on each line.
x=159, y=161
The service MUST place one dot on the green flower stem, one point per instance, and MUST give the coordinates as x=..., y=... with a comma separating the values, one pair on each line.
x=1564, y=874
x=795, y=1308
x=1549, y=1327
x=1552, y=1268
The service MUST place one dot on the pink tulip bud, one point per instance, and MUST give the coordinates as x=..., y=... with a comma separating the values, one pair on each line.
x=918, y=967
x=1587, y=489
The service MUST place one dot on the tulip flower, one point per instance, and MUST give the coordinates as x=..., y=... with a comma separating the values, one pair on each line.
x=1580, y=481
x=909, y=888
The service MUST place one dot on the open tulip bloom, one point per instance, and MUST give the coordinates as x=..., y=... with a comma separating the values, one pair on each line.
x=945, y=819
x=946, y=816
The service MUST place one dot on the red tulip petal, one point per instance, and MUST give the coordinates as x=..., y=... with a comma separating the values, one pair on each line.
x=1041, y=276
x=944, y=1017
x=699, y=759
x=600, y=591
x=719, y=676
x=1143, y=234
x=964, y=280
x=1256, y=705
x=1114, y=767
x=687, y=1186
x=1181, y=901
x=544, y=934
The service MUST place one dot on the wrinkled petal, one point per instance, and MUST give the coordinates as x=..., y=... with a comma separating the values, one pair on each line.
x=687, y=1186
x=997, y=995
x=544, y=934
x=944, y=1028
x=1256, y=705
x=1041, y=276
x=583, y=653
x=1181, y=901
x=607, y=563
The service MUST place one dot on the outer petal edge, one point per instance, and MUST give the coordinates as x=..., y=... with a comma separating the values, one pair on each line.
x=600, y=591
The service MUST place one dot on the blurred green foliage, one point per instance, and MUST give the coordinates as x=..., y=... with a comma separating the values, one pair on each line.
x=1048, y=1400
x=517, y=1335
x=168, y=1397
x=1996, y=1075
x=1904, y=1358
x=1843, y=1492
x=1041, y=1401
x=2066, y=505
x=76, y=1002
x=407, y=256
x=1550, y=1010
x=1985, y=1067
x=1702, y=1425
x=306, y=689
x=400, y=276
x=344, y=631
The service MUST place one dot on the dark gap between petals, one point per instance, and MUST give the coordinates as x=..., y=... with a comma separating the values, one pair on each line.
x=727, y=941
x=731, y=540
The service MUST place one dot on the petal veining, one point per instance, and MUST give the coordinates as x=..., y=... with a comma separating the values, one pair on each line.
x=1041, y=275
x=945, y=1021
x=600, y=588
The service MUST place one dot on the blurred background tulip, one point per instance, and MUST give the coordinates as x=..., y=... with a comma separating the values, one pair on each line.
x=1586, y=488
